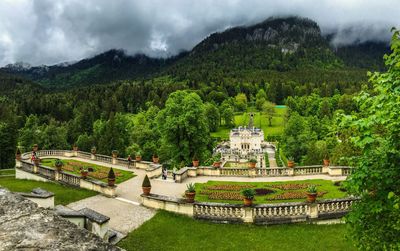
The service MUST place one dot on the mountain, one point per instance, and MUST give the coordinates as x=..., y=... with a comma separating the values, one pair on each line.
x=278, y=49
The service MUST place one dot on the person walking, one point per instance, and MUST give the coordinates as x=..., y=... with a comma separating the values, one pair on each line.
x=129, y=161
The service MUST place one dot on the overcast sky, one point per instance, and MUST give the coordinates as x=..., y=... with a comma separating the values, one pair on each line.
x=50, y=31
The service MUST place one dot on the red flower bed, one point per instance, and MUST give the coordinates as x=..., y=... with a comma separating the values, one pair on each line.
x=225, y=196
x=291, y=186
x=292, y=195
x=229, y=187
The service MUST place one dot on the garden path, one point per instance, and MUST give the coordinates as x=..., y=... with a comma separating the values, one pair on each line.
x=271, y=157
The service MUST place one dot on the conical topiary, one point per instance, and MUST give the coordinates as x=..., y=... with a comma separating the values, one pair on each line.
x=111, y=174
x=146, y=182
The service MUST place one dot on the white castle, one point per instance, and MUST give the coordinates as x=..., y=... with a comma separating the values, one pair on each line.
x=245, y=143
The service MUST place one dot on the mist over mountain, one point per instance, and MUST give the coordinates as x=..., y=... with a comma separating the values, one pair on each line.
x=276, y=44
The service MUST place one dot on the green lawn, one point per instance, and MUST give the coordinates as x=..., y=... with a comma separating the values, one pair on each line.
x=7, y=172
x=260, y=121
x=216, y=191
x=63, y=194
x=168, y=231
x=100, y=172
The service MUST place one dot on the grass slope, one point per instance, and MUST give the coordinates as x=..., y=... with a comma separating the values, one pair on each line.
x=168, y=231
x=260, y=120
x=63, y=194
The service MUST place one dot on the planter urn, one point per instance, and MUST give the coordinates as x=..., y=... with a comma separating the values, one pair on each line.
x=37, y=161
x=326, y=162
x=290, y=163
x=111, y=182
x=311, y=197
x=35, y=148
x=247, y=202
x=146, y=190
x=190, y=196
x=18, y=156
x=138, y=158
x=251, y=164
x=217, y=164
x=156, y=160
x=84, y=174
x=75, y=148
x=195, y=163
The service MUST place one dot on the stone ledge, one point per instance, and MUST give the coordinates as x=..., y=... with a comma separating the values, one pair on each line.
x=94, y=216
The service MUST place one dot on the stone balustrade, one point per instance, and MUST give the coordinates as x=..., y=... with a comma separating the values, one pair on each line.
x=265, y=214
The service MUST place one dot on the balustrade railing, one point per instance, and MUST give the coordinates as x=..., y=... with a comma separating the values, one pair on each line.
x=84, y=155
x=280, y=210
x=26, y=166
x=279, y=171
x=234, y=172
x=69, y=178
x=42, y=153
x=46, y=171
x=216, y=210
x=103, y=158
x=335, y=205
x=307, y=170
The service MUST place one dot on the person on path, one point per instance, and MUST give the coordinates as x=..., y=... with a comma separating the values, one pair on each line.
x=129, y=161
x=174, y=170
x=165, y=173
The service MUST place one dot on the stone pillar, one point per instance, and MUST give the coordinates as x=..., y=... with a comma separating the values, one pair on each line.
x=252, y=172
x=35, y=169
x=57, y=175
x=325, y=169
x=18, y=163
x=114, y=160
x=312, y=210
x=93, y=156
x=248, y=215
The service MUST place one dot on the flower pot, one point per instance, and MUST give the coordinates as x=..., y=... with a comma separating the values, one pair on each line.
x=326, y=162
x=18, y=156
x=59, y=168
x=35, y=148
x=93, y=151
x=75, y=148
x=190, y=196
x=37, y=161
x=84, y=174
x=114, y=155
x=290, y=163
x=156, y=160
x=247, y=202
x=217, y=164
x=311, y=197
x=146, y=190
x=195, y=163
x=138, y=158
x=111, y=182
x=251, y=164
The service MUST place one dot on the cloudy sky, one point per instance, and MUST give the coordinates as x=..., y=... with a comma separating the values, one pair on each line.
x=50, y=31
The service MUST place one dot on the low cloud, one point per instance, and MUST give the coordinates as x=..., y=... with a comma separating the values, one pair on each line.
x=49, y=32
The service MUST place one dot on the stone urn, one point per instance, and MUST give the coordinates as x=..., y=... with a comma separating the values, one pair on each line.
x=138, y=158
x=311, y=197
x=93, y=150
x=217, y=164
x=247, y=202
x=290, y=163
x=18, y=155
x=37, y=161
x=35, y=148
x=84, y=173
x=75, y=148
x=146, y=190
x=190, y=196
x=251, y=164
x=156, y=159
x=326, y=162
x=195, y=163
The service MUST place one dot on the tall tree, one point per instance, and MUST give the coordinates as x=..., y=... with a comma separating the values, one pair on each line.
x=375, y=219
x=183, y=127
x=211, y=112
x=269, y=111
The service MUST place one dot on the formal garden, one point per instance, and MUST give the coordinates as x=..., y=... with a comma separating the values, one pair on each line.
x=268, y=192
x=94, y=171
